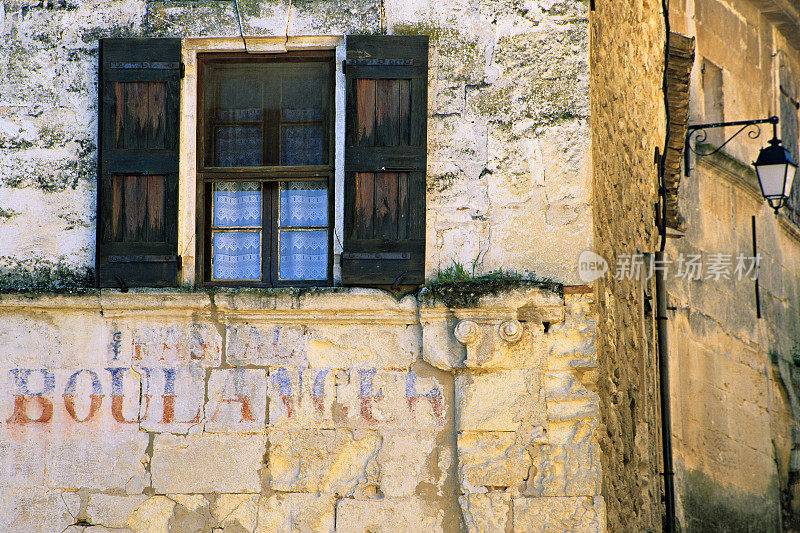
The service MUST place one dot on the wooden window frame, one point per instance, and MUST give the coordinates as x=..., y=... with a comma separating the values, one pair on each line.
x=269, y=176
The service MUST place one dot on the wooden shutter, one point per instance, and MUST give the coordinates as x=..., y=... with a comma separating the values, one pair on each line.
x=137, y=198
x=385, y=160
x=788, y=109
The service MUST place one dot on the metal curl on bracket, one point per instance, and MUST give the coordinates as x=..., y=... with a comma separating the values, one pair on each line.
x=698, y=131
x=700, y=136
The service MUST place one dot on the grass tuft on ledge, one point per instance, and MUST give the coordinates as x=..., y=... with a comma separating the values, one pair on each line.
x=457, y=287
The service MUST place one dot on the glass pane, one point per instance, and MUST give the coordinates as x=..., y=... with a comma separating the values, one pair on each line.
x=304, y=203
x=236, y=255
x=303, y=254
x=267, y=113
x=237, y=204
x=302, y=145
x=237, y=146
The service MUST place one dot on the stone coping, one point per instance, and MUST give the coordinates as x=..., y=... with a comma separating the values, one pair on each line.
x=310, y=305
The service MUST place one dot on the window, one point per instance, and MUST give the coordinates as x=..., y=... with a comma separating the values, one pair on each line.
x=265, y=168
x=713, y=100
x=265, y=152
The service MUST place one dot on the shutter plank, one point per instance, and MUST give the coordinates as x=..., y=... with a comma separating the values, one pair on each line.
x=116, y=210
x=402, y=205
x=155, y=208
x=119, y=114
x=364, y=205
x=387, y=113
x=365, y=116
x=404, y=112
x=135, y=208
x=386, y=205
x=416, y=205
x=156, y=113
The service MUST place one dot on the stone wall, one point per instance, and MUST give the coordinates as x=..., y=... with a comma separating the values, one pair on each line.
x=734, y=392
x=508, y=167
x=628, y=127
x=327, y=410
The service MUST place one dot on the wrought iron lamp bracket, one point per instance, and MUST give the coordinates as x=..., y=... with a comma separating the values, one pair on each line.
x=699, y=133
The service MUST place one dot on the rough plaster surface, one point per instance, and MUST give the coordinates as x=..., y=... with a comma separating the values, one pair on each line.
x=508, y=181
x=151, y=430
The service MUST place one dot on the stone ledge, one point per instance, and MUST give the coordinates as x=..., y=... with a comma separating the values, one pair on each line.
x=319, y=305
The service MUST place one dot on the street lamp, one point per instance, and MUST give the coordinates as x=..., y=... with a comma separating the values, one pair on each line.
x=774, y=166
x=775, y=169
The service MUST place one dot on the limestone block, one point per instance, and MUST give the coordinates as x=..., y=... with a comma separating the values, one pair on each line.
x=404, y=460
x=486, y=513
x=374, y=346
x=263, y=345
x=207, y=463
x=236, y=510
x=392, y=399
x=571, y=431
x=112, y=510
x=22, y=454
x=440, y=348
x=572, y=347
x=152, y=516
x=565, y=470
x=501, y=343
x=168, y=344
x=192, y=502
x=287, y=513
x=301, y=398
x=491, y=459
x=39, y=510
x=385, y=516
x=499, y=400
x=172, y=399
x=564, y=385
x=335, y=462
x=237, y=400
x=55, y=340
x=101, y=461
x=573, y=409
x=578, y=514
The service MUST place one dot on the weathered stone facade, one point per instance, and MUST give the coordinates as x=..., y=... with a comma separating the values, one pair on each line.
x=297, y=410
x=734, y=392
x=628, y=129
x=508, y=167
x=320, y=410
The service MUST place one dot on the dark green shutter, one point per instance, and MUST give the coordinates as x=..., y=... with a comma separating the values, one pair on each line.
x=385, y=160
x=137, y=194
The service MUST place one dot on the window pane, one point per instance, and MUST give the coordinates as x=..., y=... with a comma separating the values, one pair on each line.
x=303, y=254
x=236, y=255
x=302, y=145
x=237, y=146
x=267, y=113
x=304, y=203
x=237, y=204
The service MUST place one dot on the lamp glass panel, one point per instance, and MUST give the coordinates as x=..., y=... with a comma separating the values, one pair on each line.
x=791, y=170
x=772, y=179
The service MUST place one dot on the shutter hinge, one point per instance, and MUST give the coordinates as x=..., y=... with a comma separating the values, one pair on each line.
x=373, y=256
x=344, y=65
x=182, y=69
x=179, y=260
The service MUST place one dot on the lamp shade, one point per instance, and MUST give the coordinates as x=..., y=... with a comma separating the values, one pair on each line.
x=775, y=169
